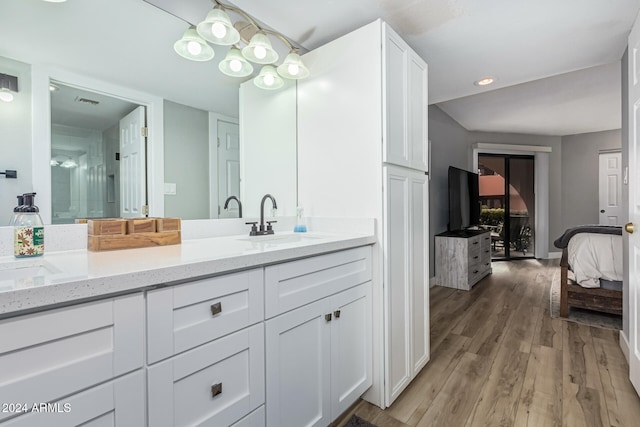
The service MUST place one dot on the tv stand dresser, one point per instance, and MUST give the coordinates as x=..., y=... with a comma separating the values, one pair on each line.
x=463, y=258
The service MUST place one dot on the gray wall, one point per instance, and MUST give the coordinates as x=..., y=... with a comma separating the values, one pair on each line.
x=449, y=147
x=188, y=168
x=580, y=164
x=15, y=139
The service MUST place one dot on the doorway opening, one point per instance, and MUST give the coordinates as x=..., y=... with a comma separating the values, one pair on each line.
x=508, y=204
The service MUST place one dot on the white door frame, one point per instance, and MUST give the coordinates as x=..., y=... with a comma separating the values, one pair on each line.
x=41, y=132
x=541, y=184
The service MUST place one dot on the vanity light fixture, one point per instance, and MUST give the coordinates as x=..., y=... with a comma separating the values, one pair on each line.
x=217, y=28
x=235, y=65
x=192, y=46
x=484, y=81
x=8, y=85
x=268, y=78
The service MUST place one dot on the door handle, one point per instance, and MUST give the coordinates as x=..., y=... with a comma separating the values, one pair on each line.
x=629, y=228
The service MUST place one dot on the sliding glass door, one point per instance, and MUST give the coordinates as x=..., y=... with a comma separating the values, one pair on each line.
x=507, y=198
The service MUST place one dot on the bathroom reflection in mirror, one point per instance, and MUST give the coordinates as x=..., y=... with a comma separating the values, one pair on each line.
x=86, y=128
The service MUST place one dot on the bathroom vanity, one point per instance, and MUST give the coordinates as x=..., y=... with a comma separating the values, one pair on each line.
x=237, y=330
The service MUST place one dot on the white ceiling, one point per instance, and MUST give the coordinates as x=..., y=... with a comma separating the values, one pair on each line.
x=578, y=43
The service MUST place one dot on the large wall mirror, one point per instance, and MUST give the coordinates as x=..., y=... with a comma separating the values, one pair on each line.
x=84, y=66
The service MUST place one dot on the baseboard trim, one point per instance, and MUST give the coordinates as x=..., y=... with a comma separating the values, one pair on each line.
x=432, y=281
x=624, y=345
x=554, y=255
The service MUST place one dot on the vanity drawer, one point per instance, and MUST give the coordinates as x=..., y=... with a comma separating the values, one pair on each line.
x=45, y=356
x=120, y=402
x=294, y=284
x=255, y=419
x=215, y=384
x=185, y=316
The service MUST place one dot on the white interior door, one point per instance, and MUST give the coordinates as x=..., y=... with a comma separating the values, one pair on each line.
x=610, y=188
x=633, y=265
x=228, y=167
x=133, y=174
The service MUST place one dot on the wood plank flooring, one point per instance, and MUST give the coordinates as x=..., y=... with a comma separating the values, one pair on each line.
x=499, y=359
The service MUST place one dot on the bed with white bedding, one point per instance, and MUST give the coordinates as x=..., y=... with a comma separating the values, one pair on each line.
x=593, y=255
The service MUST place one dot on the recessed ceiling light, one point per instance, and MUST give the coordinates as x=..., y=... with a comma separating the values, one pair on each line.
x=484, y=81
x=55, y=1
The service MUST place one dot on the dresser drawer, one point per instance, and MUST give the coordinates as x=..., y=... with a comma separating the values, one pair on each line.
x=185, y=316
x=45, y=356
x=294, y=284
x=119, y=403
x=216, y=384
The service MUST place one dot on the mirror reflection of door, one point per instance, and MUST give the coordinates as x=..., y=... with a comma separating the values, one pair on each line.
x=228, y=168
x=133, y=183
x=508, y=204
x=85, y=139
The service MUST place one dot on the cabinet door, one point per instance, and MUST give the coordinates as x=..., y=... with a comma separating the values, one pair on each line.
x=419, y=235
x=395, y=60
x=298, y=361
x=118, y=403
x=351, y=334
x=418, y=112
x=397, y=285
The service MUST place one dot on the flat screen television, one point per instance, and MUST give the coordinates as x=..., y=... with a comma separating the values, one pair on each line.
x=464, y=199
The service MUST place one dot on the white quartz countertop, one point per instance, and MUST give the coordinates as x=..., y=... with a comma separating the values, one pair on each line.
x=67, y=276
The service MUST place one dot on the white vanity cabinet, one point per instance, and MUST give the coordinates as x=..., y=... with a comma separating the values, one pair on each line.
x=48, y=355
x=212, y=332
x=318, y=352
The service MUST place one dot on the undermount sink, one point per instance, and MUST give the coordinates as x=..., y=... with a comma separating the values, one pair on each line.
x=24, y=269
x=275, y=239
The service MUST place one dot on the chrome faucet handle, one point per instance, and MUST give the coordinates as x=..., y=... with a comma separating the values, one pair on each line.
x=254, y=228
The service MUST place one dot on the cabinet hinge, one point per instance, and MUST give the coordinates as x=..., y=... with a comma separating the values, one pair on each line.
x=218, y=210
x=144, y=132
x=218, y=142
x=145, y=210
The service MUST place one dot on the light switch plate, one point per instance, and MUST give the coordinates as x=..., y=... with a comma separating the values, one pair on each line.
x=170, y=188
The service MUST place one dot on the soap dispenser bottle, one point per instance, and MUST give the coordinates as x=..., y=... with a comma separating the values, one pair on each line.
x=28, y=230
x=301, y=226
x=17, y=210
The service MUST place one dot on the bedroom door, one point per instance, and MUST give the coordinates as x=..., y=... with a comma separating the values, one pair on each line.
x=610, y=188
x=632, y=266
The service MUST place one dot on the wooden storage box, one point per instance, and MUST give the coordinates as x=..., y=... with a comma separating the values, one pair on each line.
x=106, y=227
x=141, y=225
x=132, y=241
x=114, y=234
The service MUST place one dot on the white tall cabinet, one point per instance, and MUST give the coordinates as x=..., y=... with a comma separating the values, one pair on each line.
x=362, y=152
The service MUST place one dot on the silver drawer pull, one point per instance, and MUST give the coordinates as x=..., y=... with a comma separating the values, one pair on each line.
x=475, y=243
x=216, y=389
x=327, y=317
x=475, y=257
x=216, y=308
x=475, y=272
x=336, y=314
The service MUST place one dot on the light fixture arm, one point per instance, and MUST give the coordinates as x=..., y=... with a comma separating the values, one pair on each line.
x=255, y=24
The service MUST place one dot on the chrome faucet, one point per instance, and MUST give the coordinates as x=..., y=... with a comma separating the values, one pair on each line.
x=226, y=204
x=262, y=231
x=269, y=229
